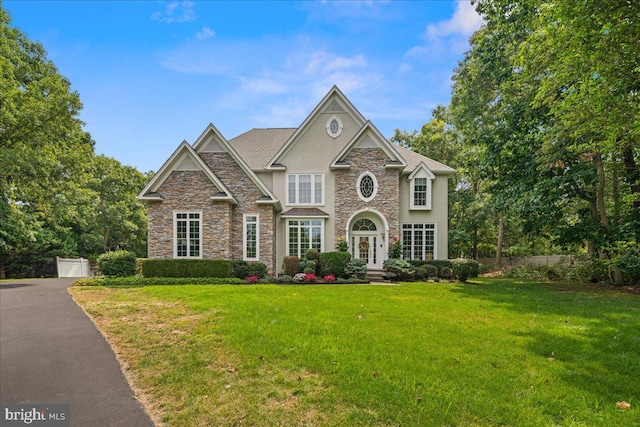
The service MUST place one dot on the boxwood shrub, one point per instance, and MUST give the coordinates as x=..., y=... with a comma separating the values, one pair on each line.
x=187, y=268
x=117, y=263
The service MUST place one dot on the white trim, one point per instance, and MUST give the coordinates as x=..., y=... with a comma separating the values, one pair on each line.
x=340, y=126
x=175, y=232
x=384, y=255
x=286, y=228
x=375, y=186
x=421, y=171
x=244, y=236
x=313, y=176
x=376, y=137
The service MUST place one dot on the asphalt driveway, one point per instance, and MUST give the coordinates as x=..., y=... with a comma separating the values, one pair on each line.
x=51, y=352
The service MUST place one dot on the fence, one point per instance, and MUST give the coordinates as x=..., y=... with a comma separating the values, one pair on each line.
x=73, y=267
x=537, y=261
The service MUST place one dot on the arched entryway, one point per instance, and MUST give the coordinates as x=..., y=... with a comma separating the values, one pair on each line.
x=367, y=234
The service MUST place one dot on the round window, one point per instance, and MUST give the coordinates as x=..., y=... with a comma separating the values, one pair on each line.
x=367, y=186
x=334, y=127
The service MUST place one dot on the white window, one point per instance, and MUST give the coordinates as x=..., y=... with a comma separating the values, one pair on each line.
x=305, y=189
x=419, y=241
x=187, y=234
x=304, y=234
x=334, y=127
x=250, y=240
x=367, y=186
x=420, y=193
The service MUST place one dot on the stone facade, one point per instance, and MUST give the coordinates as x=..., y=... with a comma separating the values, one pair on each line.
x=189, y=191
x=387, y=199
x=246, y=192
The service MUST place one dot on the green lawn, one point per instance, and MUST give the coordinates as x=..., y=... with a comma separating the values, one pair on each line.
x=498, y=352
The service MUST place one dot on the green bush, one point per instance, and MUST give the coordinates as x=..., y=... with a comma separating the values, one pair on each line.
x=240, y=269
x=356, y=268
x=312, y=254
x=464, y=269
x=311, y=265
x=446, y=273
x=290, y=265
x=334, y=263
x=187, y=268
x=403, y=270
x=426, y=271
x=257, y=269
x=117, y=263
x=156, y=281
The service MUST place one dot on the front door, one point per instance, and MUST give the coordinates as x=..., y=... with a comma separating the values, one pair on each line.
x=366, y=247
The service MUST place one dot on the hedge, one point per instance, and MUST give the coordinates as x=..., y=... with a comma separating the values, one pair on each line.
x=154, y=281
x=117, y=263
x=187, y=268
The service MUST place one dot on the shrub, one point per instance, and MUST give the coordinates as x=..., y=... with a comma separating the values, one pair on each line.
x=257, y=269
x=117, y=263
x=187, y=268
x=309, y=270
x=334, y=263
x=395, y=249
x=312, y=254
x=465, y=268
x=356, y=268
x=155, y=281
x=426, y=271
x=302, y=265
x=310, y=277
x=329, y=278
x=446, y=273
x=290, y=265
x=253, y=279
x=403, y=270
x=240, y=269
x=311, y=265
x=298, y=277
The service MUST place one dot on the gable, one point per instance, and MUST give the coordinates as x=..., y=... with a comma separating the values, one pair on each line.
x=316, y=134
x=369, y=137
x=184, y=159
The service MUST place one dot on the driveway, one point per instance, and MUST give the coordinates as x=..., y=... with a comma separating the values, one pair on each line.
x=51, y=352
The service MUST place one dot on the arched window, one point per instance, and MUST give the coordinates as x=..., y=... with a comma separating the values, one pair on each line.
x=364, y=224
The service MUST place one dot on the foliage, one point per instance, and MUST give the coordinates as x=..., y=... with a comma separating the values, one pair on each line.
x=446, y=273
x=356, y=268
x=464, y=269
x=257, y=268
x=395, y=249
x=312, y=254
x=426, y=271
x=329, y=278
x=253, y=280
x=240, y=268
x=299, y=277
x=117, y=263
x=403, y=270
x=290, y=265
x=334, y=263
x=187, y=268
x=342, y=245
x=155, y=281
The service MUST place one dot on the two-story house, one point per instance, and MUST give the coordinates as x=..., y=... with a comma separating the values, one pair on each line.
x=269, y=193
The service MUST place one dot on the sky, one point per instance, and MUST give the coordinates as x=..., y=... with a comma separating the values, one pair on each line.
x=151, y=74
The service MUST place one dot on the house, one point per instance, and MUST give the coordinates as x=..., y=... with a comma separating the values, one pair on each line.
x=269, y=193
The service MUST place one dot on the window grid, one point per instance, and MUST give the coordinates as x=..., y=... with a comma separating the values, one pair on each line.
x=305, y=189
x=418, y=241
x=251, y=237
x=303, y=235
x=187, y=235
x=420, y=192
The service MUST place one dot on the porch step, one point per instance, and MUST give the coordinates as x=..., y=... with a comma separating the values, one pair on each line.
x=376, y=276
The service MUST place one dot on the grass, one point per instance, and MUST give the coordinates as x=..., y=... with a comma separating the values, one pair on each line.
x=497, y=352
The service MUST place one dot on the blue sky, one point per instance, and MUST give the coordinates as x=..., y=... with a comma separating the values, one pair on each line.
x=151, y=74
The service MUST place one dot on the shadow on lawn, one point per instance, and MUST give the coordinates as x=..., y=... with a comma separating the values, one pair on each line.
x=593, y=333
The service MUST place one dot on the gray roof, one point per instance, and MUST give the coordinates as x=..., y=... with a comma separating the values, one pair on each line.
x=258, y=146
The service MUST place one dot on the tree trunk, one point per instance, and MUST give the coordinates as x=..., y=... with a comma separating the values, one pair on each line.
x=633, y=177
x=500, y=239
x=601, y=193
x=591, y=246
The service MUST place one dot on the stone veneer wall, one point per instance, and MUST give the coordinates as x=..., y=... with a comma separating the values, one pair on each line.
x=387, y=200
x=184, y=191
x=246, y=193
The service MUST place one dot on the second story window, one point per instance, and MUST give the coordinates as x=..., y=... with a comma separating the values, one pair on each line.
x=305, y=189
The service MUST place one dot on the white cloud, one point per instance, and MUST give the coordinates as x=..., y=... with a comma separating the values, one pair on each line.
x=206, y=33
x=464, y=22
x=326, y=62
x=176, y=11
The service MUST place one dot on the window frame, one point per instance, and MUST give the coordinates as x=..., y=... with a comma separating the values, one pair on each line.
x=375, y=186
x=428, y=193
x=245, y=224
x=336, y=134
x=189, y=245
x=316, y=179
x=300, y=253
x=408, y=245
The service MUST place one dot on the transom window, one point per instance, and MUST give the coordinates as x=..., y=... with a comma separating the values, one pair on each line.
x=187, y=235
x=418, y=241
x=364, y=224
x=305, y=189
x=304, y=234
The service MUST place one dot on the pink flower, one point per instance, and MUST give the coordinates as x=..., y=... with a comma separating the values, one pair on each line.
x=310, y=277
x=329, y=278
x=253, y=279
